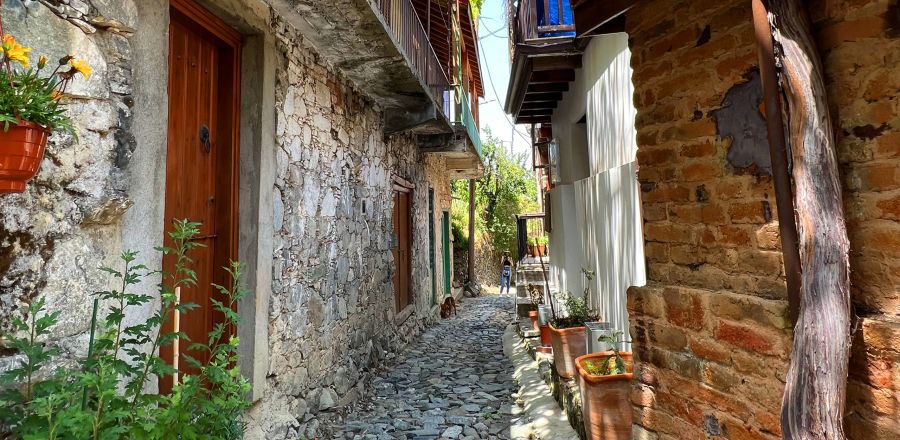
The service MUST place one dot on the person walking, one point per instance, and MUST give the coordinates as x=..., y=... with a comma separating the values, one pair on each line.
x=505, y=273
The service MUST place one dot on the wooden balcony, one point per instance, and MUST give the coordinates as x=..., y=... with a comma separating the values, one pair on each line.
x=382, y=47
x=548, y=38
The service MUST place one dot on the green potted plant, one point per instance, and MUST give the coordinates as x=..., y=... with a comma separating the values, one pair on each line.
x=567, y=335
x=30, y=109
x=541, y=244
x=605, y=384
x=535, y=294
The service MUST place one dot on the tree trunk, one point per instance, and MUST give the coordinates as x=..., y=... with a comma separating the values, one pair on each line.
x=815, y=392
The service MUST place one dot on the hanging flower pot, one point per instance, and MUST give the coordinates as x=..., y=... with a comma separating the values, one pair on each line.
x=21, y=150
x=30, y=109
x=605, y=397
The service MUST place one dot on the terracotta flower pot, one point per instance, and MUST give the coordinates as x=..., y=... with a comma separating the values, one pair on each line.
x=534, y=320
x=545, y=335
x=568, y=344
x=605, y=400
x=21, y=151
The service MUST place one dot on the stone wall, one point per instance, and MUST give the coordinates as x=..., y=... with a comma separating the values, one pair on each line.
x=711, y=332
x=332, y=286
x=331, y=318
x=67, y=223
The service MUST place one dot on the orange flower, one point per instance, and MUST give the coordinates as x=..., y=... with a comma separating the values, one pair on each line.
x=82, y=67
x=14, y=51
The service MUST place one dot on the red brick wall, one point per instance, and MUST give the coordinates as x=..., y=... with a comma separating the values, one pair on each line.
x=860, y=44
x=710, y=329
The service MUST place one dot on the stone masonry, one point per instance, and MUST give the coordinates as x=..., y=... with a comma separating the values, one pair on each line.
x=332, y=286
x=330, y=319
x=711, y=333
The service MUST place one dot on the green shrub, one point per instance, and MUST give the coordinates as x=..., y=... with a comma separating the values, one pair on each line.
x=579, y=313
x=106, y=398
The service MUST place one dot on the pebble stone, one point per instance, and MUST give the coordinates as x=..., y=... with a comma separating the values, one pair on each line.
x=452, y=382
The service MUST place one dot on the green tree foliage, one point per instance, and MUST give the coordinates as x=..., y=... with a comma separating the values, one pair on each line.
x=507, y=188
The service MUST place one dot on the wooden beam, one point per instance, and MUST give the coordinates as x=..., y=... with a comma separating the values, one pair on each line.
x=552, y=76
x=591, y=14
x=542, y=88
x=538, y=105
x=532, y=119
x=543, y=96
x=557, y=62
x=561, y=47
x=816, y=381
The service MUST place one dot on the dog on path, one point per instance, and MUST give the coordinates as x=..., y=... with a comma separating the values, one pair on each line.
x=449, y=305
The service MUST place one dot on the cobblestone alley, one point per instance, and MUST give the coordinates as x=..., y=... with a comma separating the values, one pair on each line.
x=452, y=382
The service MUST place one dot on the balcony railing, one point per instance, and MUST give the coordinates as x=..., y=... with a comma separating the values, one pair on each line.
x=468, y=119
x=401, y=18
x=543, y=19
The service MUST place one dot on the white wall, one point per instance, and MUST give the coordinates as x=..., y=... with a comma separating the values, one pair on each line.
x=596, y=213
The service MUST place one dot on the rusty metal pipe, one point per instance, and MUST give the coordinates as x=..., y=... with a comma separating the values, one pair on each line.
x=778, y=150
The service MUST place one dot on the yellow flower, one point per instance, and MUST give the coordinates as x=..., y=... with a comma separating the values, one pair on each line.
x=14, y=51
x=42, y=61
x=82, y=67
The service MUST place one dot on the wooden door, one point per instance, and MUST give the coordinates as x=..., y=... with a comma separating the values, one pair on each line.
x=401, y=249
x=432, y=247
x=445, y=250
x=201, y=162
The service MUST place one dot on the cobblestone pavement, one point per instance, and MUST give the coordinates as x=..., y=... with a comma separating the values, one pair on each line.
x=452, y=382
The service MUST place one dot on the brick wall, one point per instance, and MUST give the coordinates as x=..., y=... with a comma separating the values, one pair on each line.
x=710, y=329
x=860, y=44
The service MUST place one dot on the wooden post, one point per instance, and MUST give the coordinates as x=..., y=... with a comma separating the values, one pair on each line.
x=471, y=267
x=816, y=383
x=176, y=344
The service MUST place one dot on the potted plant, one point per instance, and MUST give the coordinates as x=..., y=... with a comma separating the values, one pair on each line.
x=567, y=335
x=30, y=109
x=535, y=294
x=605, y=384
x=541, y=244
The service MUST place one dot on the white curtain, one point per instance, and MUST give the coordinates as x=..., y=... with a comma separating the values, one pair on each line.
x=612, y=240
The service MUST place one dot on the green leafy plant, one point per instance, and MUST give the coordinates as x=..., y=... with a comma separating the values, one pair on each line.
x=491, y=415
x=106, y=398
x=613, y=364
x=27, y=95
x=542, y=240
x=579, y=313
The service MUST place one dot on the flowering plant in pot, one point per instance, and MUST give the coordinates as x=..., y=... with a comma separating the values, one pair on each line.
x=567, y=334
x=536, y=295
x=605, y=384
x=31, y=108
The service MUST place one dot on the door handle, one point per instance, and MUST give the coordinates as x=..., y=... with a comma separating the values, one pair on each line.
x=204, y=138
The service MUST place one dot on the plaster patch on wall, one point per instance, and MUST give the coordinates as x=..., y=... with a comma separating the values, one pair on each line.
x=740, y=120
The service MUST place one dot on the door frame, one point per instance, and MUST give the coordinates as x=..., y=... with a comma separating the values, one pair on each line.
x=445, y=251
x=405, y=186
x=232, y=41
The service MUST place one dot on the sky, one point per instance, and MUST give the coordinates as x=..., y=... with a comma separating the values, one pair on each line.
x=494, y=51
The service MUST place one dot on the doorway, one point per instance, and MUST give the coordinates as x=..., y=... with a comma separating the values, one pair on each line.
x=401, y=247
x=445, y=250
x=201, y=164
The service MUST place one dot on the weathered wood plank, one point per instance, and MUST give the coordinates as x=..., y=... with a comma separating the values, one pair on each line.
x=815, y=389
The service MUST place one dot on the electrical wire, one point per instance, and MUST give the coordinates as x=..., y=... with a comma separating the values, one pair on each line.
x=502, y=110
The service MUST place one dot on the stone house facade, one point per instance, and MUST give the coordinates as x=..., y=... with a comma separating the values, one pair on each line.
x=319, y=156
x=711, y=330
